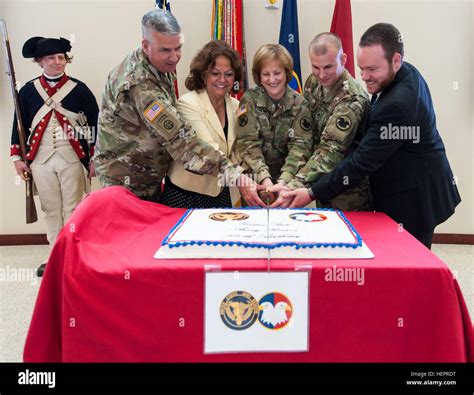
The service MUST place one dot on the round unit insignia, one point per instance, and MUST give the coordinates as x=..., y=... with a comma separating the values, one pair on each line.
x=243, y=119
x=343, y=122
x=305, y=124
x=308, y=217
x=275, y=310
x=228, y=216
x=168, y=125
x=239, y=310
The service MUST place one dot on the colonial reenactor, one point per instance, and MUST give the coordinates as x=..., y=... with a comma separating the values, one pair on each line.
x=338, y=105
x=60, y=115
x=140, y=130
x=275, y=131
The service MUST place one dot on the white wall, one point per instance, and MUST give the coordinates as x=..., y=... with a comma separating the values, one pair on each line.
x=438, y=35
x=470, y=164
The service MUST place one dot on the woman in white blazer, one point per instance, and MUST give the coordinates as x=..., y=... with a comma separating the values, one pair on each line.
x=211, y=111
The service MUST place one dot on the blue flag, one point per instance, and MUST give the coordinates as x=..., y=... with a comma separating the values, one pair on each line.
x=163, y=4
x=289, y=38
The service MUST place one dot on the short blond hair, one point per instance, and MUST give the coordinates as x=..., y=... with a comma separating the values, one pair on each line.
x=272, y=52
x=319, y=45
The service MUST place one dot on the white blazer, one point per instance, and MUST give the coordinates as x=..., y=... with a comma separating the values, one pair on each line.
x=196, y=109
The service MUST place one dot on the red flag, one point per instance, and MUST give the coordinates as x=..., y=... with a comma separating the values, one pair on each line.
x=342, y=26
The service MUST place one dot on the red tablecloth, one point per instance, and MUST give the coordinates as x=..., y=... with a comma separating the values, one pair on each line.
x=105, y=298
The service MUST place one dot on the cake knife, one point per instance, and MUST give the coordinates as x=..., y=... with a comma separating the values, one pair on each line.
x=268, y=233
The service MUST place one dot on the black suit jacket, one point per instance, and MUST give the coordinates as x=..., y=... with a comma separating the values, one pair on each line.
x=403, y=154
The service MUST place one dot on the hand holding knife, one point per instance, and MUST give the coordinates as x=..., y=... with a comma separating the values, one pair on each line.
x=268, y=198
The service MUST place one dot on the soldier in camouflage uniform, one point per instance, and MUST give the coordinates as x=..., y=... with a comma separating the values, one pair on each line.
x=338, y=105
x=139, y=129
x=274, y=132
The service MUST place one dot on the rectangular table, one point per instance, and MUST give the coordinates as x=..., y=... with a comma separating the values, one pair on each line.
x=104, y=298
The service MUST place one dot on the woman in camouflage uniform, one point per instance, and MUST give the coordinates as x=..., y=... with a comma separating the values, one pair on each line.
x=274, y=131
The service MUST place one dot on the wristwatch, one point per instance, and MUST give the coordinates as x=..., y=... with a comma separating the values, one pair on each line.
x=310, y=193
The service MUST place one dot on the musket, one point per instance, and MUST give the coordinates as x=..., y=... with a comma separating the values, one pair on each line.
x=31, y=215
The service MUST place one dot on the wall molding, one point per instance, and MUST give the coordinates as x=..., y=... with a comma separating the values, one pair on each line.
x=23, y=239
x=453, y=238
x=40, y=239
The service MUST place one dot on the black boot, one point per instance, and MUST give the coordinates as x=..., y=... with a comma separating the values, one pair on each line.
x=40, y=270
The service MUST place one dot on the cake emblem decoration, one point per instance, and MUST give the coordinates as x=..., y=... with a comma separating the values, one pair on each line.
x=228, y=216
x=308, y=217
x=239, y=310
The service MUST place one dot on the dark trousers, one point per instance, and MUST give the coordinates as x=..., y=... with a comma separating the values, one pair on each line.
x=425, y=238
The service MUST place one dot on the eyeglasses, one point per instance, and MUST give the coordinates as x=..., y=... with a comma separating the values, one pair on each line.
x=228, y=75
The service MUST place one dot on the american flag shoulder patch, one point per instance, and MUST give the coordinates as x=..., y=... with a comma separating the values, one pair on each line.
x=241, y=111
x=153, y=110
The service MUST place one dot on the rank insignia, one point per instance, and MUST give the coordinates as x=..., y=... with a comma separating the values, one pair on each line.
x=239, y=310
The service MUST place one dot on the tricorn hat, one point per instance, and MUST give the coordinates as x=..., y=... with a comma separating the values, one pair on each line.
x=37, y=47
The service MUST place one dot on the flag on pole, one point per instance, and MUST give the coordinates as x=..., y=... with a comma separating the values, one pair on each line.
x=289, y=38
x=165, y=4
x=228, y=25
x=342, y=26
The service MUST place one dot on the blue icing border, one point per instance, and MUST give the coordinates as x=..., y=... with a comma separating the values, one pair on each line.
x=178, y=224
x=259, y=245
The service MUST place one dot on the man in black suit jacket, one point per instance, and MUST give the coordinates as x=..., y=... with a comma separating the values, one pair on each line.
x=401, y=150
